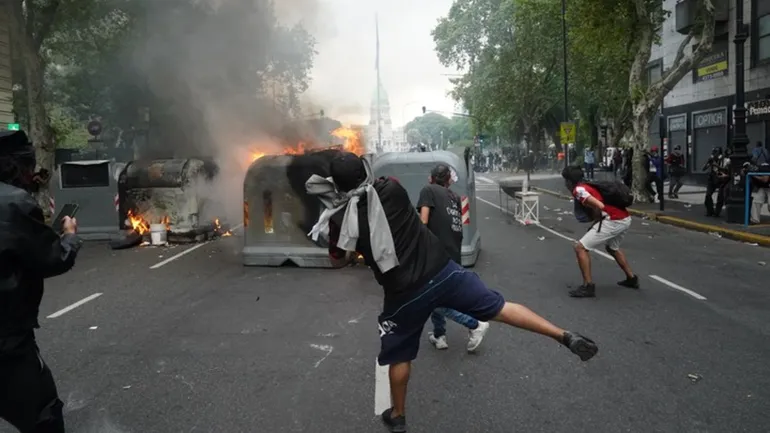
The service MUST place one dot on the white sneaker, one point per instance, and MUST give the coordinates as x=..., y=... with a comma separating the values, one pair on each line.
x=439, y=343
x=477, y=335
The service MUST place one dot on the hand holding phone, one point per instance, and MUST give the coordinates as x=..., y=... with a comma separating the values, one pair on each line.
x=69, y=225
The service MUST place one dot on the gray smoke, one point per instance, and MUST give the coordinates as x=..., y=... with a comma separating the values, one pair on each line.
x=225, y=78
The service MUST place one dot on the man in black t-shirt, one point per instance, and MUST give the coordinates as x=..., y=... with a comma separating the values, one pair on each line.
x=440, y=209
x=424, y=279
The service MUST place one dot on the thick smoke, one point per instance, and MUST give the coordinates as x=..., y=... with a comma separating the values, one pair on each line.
x=225, y=78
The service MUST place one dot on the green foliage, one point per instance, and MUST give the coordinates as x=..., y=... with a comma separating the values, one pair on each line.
x=512, y=52
x=430, y=127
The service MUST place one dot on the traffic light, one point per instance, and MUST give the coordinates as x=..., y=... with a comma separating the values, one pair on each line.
x=423, y=109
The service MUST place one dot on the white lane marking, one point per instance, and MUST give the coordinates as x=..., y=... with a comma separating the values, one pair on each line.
x=381, y=388
x=174, y=257
x=66, y=310
x=678, y=287
x=548, y=229
x=485, y=179
x=323, y=348
x=605, y=255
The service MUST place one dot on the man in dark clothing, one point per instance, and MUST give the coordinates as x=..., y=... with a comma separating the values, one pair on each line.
x=440, y=209
x=652, y=159
x=676, y=167
x=717, y=179
x=29, y=252
x=422, y=278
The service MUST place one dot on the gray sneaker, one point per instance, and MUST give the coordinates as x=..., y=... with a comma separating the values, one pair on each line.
x=394, y=424
x=438, y=342
x=476, y=336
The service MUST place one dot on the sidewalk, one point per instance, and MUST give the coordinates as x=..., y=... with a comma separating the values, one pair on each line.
x=688, y=212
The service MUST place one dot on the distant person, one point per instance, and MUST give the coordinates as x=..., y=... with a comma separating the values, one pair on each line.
x=676, y=164
x=760, y=155
x=652, y=159
x=440, y=209
x=760, y=193
x=376, y=218
x=610, y=222
x=717, y=179
x=30, y=251
x=589, y=160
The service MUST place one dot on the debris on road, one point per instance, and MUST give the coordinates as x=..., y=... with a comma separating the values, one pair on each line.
x=645, y=224
x=762, y=263
x=716, y=235
x=93, y=328
x=694, y=377
x=132, y=239
x=541, y=238
x=127, y=387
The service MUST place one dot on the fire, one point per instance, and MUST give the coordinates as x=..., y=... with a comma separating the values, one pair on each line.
x=218, y=228
x=256, y=155
x=138, y=223
x=352, y=139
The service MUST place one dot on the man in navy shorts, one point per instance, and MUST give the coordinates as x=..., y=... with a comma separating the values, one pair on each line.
x=423, y=279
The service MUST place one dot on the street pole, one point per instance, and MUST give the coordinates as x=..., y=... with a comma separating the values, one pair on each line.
x=736, y=201
x=565, y=146
x=379, y=107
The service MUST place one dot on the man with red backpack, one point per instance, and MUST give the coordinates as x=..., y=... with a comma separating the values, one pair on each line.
x=604, y=204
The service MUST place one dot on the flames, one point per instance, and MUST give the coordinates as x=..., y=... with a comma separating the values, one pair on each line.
x=138, y=223
x=352, y=142
x=221, y=231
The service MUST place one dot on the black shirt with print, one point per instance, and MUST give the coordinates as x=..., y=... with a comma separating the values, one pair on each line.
x=420, y=254
x=445, y=217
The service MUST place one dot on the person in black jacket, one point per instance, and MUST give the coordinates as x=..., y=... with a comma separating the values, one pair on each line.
x=30, y=251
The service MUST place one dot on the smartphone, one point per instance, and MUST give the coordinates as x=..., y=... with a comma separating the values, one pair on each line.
x=70, y=210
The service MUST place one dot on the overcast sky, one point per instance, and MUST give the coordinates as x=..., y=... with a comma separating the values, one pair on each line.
x=344, y=76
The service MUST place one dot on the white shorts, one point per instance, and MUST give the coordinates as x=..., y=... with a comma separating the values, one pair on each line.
x=608, y=232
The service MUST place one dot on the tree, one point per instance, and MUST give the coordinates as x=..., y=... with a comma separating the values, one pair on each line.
x=646, y=98
x=511, y=50
x=413, y=137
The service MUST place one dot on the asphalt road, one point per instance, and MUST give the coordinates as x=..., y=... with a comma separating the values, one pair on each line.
x=202, y=344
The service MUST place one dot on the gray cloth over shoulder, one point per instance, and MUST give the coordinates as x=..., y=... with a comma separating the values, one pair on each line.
x=380, y=237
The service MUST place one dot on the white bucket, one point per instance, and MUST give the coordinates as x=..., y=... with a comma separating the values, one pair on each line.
x=158, y=234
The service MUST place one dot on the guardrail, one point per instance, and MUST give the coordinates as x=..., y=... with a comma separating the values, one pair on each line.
x=747, y=208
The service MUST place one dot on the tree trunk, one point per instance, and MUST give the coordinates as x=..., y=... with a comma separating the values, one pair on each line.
x=641, y=133
x=40, y=131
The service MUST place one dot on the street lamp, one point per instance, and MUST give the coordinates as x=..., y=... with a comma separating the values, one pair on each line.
x=736, y=201
x=565, y=146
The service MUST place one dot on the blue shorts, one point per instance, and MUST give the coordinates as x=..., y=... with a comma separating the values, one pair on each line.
x=402, y=321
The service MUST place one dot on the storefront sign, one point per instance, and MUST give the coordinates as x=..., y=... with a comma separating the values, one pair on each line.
x=713, y=66
x=677, y=123
x=755, y=109
x=709, y=120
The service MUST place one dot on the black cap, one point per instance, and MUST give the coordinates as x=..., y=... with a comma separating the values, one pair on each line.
x=15, y=143
x=572, y=173
x=348, y=171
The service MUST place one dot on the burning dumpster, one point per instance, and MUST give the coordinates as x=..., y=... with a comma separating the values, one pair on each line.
x=170, y=192
x=278, y=213
x=412, y=170
x=93, y=186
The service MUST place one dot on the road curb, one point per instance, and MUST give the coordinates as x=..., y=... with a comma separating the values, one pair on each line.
x=683, y=223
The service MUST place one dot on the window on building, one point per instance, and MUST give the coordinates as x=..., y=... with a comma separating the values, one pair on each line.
x=654, y=71
x=761, y=31
x=763, y=35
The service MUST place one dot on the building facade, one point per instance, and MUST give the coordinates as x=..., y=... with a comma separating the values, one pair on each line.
x=6, y=84
x=386, y=124
x=698, y=112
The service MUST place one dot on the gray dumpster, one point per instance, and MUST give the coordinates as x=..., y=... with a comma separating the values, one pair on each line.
x=278, y=213
x=93, y=185
x=412, y=170
x=168, y=191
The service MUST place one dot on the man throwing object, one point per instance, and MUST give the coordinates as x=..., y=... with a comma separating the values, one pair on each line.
x=377, y=219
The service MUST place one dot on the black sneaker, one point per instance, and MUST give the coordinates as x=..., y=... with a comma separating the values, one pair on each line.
x=584, y=291
x=581, y=346
x=395, y=425
x=631, y=283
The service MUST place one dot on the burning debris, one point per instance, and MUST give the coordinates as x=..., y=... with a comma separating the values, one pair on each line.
x=144, y=233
